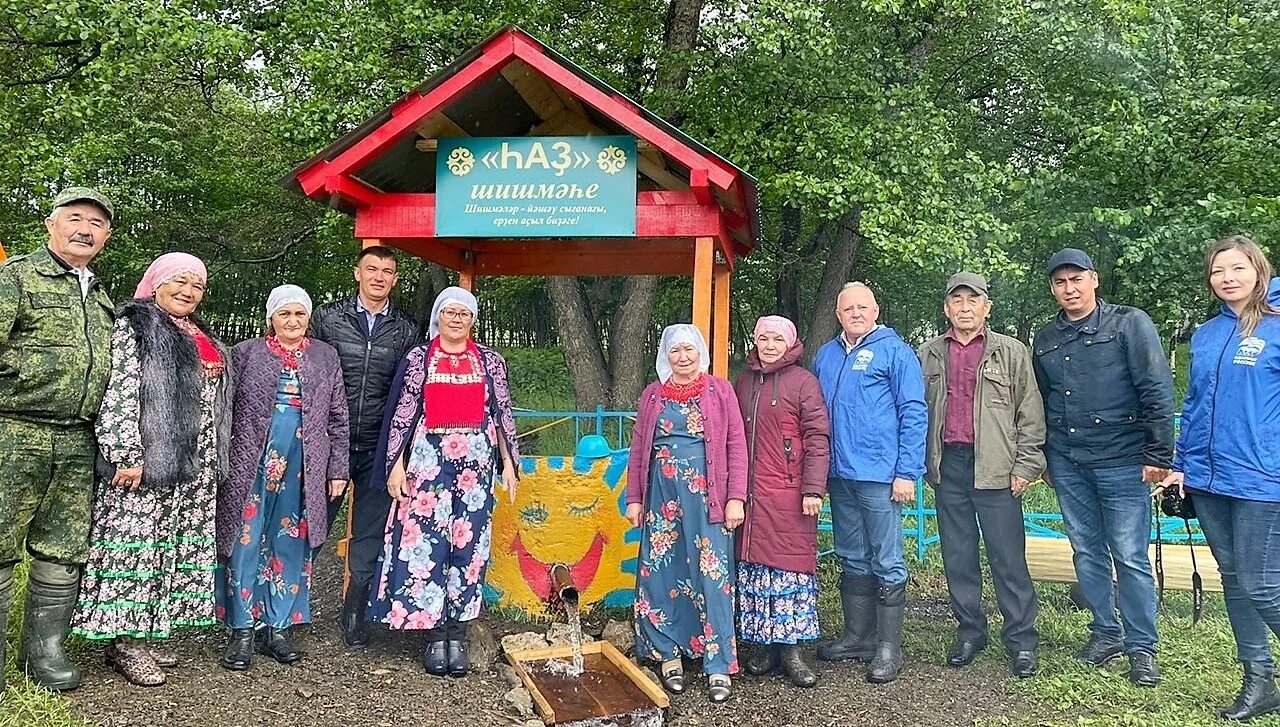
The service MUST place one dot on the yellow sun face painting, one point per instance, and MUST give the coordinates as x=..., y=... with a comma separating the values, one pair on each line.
x=568, y=510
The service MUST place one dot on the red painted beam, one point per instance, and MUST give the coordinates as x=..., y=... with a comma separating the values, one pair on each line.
x=658, y=214
x=352, y=190
x=407, y=114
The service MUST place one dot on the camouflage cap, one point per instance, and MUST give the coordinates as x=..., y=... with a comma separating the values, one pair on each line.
x=71, y=195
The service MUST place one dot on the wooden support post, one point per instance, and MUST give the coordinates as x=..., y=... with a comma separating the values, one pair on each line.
x=720, y=322
x=703, y=265
x=467, y=273
x=369, y=243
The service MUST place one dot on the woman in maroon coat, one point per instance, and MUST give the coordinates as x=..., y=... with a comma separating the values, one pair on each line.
x=788, y=444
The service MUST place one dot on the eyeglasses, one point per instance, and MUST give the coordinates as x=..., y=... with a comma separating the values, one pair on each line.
x=455, y=315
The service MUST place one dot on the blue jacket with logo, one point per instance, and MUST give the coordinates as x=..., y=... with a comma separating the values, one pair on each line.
x=1230, y=439
x=875, y=395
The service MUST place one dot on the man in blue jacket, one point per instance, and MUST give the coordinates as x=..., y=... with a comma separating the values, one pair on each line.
x=1108, y=403
x=874, y=391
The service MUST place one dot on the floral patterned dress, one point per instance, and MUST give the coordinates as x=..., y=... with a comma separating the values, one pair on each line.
x=152, y=554
x=684, y=588
x=436, y=547
x=776, y=606
x=267, y=579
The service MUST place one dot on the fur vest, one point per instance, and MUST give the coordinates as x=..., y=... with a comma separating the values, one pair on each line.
x=171, y=378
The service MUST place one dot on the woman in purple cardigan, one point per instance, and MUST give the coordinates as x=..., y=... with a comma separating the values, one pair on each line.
x=686, y=486
x=288, y=454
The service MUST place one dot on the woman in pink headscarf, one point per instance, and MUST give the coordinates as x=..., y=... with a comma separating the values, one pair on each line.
x=788, y=448
x=163, y=435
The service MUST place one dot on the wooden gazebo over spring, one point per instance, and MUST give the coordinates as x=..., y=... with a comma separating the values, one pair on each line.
x=695, y=213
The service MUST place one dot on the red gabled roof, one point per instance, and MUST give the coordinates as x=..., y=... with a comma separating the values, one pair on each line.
x=486, y=92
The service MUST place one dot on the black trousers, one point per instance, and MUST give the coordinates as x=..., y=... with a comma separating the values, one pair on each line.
x=961, y=510
x=369, y=509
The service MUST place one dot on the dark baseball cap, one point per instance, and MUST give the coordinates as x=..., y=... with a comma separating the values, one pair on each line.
x=1070, y=256
x=71, y=195
x=972, y=281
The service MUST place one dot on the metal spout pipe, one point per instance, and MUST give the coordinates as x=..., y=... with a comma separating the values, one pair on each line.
x=562, y=587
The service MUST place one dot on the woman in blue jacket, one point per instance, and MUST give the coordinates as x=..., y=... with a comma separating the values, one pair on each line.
x=1227, y=454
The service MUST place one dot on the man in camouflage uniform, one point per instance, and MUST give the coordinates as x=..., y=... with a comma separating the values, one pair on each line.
x=55, y=333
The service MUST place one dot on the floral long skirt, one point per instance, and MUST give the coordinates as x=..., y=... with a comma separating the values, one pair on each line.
x=152, y=554
x=267, y=579
x=684, y=588
x=776, y=606
x=436, y=547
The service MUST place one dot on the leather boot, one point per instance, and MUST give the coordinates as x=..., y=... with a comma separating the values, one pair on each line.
x=51, y=599
x=887, y=663
x=6, y=593
x=456, y=649
x=1258, y=695
x=763, y=660
x=794, y=665
x=238, y=654
x=352, y=623
x=277, y=645
x=858, y=602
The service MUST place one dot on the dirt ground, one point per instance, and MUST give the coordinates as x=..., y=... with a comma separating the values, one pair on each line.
x=386, y=687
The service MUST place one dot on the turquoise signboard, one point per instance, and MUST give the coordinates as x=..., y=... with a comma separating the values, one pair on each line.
x=536, y=186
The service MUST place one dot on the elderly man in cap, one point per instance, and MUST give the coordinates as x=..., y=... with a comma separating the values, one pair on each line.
x=55, y=331
x=1108, y=400
x=984, y=447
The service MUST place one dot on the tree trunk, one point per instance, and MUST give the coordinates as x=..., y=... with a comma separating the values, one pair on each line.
x=628, y=339
x=840, y=258
x=786, y=291
x=580, y=341
x=431, y=280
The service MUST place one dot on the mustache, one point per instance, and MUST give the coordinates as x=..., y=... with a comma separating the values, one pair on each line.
x=86, y=239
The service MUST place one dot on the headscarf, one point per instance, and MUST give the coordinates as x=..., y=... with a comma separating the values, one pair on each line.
x=167, y=267
x=776, y=324
x=283, y=295
x=675, y=335
x=450, y=296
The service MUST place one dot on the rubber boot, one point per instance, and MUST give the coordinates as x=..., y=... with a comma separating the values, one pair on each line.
x=887, y=663
x=794, y=665
x=352, y=623
x=51, y=599
x=6, y=593
x=1258, y=695
x=763, y=661
x=858, y=602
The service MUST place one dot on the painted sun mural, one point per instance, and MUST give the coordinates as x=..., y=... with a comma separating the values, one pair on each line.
x=568, y=510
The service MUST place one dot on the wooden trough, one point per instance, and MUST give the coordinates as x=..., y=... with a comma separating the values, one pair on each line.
x=1049, y=559
x=611, y=691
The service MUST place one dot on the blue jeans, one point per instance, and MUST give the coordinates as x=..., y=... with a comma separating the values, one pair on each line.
x=1107, y=511
x=1243, y=534
x=867, y=525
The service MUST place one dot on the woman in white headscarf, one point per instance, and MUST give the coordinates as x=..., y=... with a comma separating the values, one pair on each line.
x=288, y=457
x=448, y=433
x=686, y=486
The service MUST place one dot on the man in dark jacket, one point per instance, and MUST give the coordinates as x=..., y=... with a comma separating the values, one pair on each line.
x=985, y=446
x=1108, y=399
x=371, y=334
x=55, y=339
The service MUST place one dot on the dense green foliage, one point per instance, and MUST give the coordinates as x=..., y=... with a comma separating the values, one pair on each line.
x=936, y=133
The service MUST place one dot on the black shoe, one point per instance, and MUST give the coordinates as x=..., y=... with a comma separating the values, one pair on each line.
x=886, y=665
x=795, y=667
x=1143, y=670
x=763, y=661
x=51, y=599
x=1099, y=650
x=435, y=658
x=239, y=652
x=352, y=623
x=1258, y=695
x=964, y=651
x=1024, y=664
x=858, y=602
x=277, y=645
x=457, y=657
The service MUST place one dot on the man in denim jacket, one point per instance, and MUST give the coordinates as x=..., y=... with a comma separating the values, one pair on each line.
x=1108, y=400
